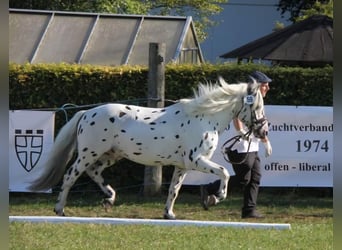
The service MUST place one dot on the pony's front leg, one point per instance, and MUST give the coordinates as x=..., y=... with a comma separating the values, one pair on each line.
x=205, y=165
x=176, y=183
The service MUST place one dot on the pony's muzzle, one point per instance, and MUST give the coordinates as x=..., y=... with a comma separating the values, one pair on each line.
x=260, y=128
x=260, y=134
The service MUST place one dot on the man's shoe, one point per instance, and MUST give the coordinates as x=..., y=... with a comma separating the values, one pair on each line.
x=251, y=214
x=204, y=197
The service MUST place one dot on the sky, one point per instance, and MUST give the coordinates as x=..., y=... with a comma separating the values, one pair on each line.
x=241, y=22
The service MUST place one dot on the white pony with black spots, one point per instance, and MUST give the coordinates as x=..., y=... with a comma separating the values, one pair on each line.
x=184, y=135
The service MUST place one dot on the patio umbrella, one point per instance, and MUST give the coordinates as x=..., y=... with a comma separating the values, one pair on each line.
x=307, y=42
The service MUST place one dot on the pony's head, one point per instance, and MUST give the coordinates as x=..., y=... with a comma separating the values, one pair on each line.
x=252, y=111
x=242, y=100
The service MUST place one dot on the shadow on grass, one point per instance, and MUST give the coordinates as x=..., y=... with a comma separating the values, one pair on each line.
x=320, y=198
x=291, y=206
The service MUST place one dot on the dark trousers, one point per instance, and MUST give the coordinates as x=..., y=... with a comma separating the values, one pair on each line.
x=247, y=174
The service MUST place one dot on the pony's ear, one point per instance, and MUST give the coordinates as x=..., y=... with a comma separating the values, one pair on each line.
x=253, y=87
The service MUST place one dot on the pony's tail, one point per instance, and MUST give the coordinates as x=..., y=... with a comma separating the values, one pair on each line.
x=61, y=153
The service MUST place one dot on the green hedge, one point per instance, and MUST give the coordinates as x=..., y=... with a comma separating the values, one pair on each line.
x=41, y=86
x=52, y=85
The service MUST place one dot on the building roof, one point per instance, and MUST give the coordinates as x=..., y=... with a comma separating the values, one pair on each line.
x=308, y=41
x=103, y=39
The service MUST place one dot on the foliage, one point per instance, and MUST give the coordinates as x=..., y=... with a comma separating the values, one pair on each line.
x=317, y=9
x=73, y=83
x=301, y=9
x=201, y=10
x=53, y=85
x=101, y=6
x=278, y=26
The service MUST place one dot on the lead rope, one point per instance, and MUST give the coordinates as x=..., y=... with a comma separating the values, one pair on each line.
x=224, y=149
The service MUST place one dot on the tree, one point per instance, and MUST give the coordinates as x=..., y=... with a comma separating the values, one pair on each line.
x=302, y=9
x=318, y=8
x=201, y=10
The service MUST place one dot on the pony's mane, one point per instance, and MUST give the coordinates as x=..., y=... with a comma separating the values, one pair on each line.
x=211, y=98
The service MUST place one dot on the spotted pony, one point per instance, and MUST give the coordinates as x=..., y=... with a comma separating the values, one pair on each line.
x=184, y=135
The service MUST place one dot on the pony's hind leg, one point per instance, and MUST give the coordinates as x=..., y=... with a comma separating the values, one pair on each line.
x=94, y=172
x=69, y=180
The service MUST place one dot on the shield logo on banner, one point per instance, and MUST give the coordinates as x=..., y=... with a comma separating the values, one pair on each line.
x=28, y=147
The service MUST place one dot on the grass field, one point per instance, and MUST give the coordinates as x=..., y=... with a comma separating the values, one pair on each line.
x=310, y=215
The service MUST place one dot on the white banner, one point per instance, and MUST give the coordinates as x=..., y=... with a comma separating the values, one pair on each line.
x=31, y=135
x=302, y=142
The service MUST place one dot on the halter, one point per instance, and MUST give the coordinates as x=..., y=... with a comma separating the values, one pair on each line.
x=258, y=123
x=249, y=100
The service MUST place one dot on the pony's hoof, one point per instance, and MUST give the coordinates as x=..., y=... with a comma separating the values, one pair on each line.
x=107, y=204
x=59, y=213
x=169, y=217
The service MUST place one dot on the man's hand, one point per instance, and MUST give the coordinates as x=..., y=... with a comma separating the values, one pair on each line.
x=268, y=148
x=244, y=134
